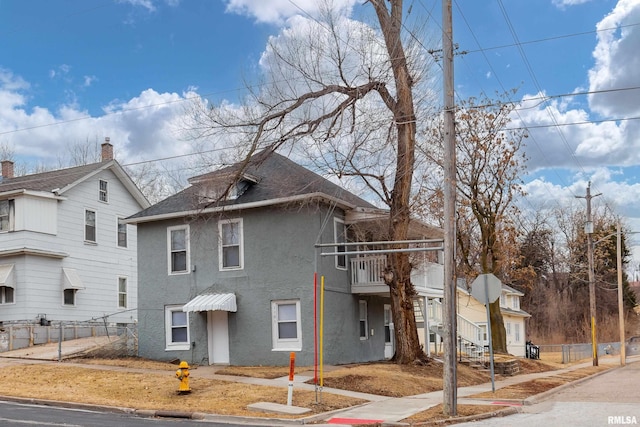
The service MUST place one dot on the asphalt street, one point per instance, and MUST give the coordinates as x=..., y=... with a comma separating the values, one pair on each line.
x=612, y=398
x=18, y=415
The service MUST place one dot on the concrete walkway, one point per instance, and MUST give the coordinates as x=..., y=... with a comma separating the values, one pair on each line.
x=380, y=409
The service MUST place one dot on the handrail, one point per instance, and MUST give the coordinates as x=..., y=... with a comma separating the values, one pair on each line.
x=466, y=328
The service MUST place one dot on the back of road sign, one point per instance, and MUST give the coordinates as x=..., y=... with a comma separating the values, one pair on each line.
x=489, y=293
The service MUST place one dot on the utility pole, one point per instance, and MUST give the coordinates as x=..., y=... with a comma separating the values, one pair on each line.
x=588, y=229
x=450, y=381
x=620, y=299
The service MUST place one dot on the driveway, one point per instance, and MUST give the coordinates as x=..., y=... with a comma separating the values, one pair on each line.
x=612, y=398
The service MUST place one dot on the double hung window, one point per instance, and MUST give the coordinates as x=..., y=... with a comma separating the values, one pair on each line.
x=231, y=244
x=122, y=292
x=122, y=233
x=6, y=295
x=6, y=215
x=364, y=322
x=103, y=192
x=340, y=236
x=178, y=249
x=286, y=329
x=177, y=328
x=90, y=226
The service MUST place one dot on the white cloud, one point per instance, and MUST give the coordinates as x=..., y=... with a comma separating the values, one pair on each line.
x=11, y=82
x=278, y=11
x=617, y=61
x=562, y=4
x=88, y=80
x=147, y=4
x=148, y=126
x=60, y=71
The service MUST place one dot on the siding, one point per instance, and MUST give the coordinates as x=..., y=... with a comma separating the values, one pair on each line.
x=279, y=262
x=36, y=214
x=39, y=279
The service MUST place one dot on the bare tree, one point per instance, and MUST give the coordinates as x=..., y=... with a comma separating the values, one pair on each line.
x=489, y=165
x=345, y=94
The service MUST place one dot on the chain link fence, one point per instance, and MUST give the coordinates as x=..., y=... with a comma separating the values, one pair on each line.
x=123, y=338
x=567, y=353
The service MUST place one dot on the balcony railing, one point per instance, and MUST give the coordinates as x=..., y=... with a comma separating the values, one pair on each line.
x=366, y=275
x=368, y=270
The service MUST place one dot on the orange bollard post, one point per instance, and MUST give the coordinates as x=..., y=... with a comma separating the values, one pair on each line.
x=292, y=367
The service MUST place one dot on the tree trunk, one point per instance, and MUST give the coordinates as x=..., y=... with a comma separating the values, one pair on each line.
x=498, y=332
x=398, y=274
x=407, y=348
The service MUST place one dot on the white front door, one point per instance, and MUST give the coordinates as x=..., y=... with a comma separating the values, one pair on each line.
x=388, y=332
x=218, y=337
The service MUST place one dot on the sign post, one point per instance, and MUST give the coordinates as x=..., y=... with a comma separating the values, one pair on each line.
x=487, y=288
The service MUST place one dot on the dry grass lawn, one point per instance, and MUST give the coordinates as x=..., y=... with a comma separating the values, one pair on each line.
x=153, y=391
x=152, y=385
x=537, y=386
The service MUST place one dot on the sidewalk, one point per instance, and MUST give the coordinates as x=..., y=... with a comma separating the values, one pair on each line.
x=380, y=409
x=390, y=411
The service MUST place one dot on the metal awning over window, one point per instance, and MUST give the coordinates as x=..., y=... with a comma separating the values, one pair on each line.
x=212, y=302
x=70, y=279
x=6, y=276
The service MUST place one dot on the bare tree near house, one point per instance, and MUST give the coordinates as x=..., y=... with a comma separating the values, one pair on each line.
x=489, y=166
x=343, y=92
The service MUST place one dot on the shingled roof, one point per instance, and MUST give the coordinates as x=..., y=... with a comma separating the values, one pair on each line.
x=60, y=180
x=271, y=178
x=50, y=180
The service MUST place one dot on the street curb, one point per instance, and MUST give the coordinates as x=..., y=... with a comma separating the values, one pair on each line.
x=68, y=405
x=143, y=413
x=456, y=420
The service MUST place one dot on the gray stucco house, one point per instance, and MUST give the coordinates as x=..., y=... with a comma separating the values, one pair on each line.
x=232, y=281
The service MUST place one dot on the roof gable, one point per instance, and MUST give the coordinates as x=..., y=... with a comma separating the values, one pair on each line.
x=61, y=180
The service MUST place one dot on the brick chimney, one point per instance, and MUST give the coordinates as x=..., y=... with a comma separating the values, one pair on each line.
x=107, y=151
x=7, y=169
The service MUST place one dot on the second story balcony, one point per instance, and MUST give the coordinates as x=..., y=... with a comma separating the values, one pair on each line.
x=366, y=276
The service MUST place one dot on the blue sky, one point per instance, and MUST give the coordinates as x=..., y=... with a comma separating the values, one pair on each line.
x=68, y=70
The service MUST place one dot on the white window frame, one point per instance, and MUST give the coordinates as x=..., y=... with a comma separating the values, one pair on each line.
x=508, y=326
x=483, y=332
x=503, y=300
x=363, y=318
x=3, y=295
x=516, y=336
x=169, y=326
x=103, y=193
x=120, y=223
x=388, y=321
x=516, y=302
x=222, y=245
x=95, y=226
x=123, y=293
x=74, y=293
x=9, y=216
x=285, y=344
x=339, y=225
x=170, y=250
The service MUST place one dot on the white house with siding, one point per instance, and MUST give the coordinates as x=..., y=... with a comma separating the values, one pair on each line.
x=65, y=253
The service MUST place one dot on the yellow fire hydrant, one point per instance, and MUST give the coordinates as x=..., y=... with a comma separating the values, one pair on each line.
x=183, y=375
